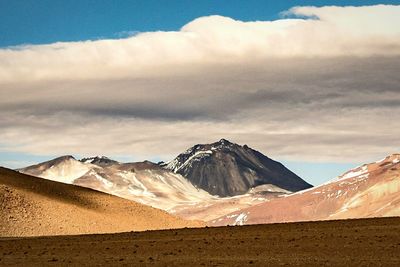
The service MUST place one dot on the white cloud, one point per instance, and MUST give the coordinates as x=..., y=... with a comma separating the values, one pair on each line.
x=338, y=31
x=325, y=88
x=367, y=21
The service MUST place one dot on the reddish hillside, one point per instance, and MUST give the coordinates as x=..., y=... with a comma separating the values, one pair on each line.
x=371, y=190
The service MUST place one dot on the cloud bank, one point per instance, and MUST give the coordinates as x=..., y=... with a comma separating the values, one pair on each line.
x=321, y=84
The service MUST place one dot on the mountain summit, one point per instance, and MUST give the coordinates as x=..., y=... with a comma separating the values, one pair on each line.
x=99, y=160
x=227, y=169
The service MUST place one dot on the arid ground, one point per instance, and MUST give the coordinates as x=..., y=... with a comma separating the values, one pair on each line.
x=364, y=242
x=31, y=206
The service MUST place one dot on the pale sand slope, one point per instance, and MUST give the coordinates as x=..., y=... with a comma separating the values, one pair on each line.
x=31, y=206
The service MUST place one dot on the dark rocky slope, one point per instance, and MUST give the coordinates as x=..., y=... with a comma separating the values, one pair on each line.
x=227, y=169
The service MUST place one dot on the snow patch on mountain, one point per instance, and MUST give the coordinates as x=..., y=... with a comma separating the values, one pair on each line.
x=241, y=219
x=66, y=172
x=355, y=173
x=91, y=159
x=175, y=165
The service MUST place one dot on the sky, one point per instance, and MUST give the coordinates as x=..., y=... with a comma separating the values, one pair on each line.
x=313, y=84
x=49, y=21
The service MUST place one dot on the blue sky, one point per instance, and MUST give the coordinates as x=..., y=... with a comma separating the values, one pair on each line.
x=50, y=21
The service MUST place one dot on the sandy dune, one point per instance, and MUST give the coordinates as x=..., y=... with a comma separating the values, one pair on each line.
x=31, y=206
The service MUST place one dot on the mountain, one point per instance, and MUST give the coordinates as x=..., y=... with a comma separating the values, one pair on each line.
x=63, y=169
x=144, y=182
x=227, y=169
x=31, y=206
x=150, y=184
x=371, y=190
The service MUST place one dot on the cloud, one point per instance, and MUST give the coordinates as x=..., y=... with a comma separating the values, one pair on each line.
x=338, y=31
x=321, y=84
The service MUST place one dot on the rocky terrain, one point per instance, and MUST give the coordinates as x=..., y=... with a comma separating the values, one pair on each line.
x=367, y=242
x=371, y=190
x=31, y=206
x=227, y=169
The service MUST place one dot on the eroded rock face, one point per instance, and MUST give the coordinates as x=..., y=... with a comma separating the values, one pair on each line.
x=227, y=169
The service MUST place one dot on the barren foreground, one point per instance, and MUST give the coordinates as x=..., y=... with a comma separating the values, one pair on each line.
x=372, y=242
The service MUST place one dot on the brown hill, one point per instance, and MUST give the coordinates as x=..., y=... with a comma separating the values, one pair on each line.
x=31, y=206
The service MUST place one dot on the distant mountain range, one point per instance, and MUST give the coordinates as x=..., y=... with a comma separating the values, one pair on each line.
x=225, y=183
x=226, y=169
x=148, y=183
